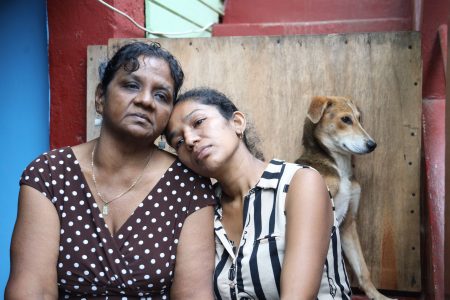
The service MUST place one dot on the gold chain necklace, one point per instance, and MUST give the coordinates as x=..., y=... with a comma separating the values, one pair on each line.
x=105, y=209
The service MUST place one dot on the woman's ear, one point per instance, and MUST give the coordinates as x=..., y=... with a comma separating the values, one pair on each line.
x=239, y=122
x=99, y=99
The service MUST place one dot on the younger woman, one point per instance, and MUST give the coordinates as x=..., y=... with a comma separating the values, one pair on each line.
x=276, y=234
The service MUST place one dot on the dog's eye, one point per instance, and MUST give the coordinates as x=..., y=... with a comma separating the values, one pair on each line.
x=347, y=120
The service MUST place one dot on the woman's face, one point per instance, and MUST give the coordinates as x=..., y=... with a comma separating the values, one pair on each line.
x=202, y=137
x=139, y=104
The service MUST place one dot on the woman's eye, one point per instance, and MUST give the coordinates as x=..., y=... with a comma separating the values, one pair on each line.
x=199, y=122
x=161, y=97
x=131, y=85
x=178, y=143
x=347, y=120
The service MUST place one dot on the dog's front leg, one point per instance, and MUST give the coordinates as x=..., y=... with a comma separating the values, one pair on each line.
x=353, y=251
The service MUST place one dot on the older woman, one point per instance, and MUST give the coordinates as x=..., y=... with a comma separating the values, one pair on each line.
x=276, y=233
x=117, y=217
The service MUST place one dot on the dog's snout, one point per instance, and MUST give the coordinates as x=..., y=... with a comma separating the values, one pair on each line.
x=371, y=145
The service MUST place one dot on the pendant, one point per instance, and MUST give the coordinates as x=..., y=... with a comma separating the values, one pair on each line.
x=105, y=209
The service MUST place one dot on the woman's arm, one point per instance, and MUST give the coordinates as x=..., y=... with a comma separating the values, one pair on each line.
x=34, y=248
x=309, y=223
x=194, y=267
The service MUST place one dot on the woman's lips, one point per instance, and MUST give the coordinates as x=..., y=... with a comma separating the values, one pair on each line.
x=202, y=152
x=140, y=116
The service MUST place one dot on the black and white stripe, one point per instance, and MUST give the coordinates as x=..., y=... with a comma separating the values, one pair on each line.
x=252, y=270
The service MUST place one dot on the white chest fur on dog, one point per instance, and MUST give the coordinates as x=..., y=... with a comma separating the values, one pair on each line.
x=344, y=195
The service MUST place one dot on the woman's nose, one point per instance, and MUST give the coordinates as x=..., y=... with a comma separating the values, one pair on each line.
x=191, y=138
x=145, y=98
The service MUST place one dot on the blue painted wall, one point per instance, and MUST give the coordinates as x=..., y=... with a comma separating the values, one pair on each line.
x=24, y=103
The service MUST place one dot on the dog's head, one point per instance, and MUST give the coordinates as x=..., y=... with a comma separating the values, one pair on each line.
x=337, y=125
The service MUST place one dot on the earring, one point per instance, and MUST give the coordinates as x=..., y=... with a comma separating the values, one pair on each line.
x=98, y=119
x=240, y=135
x=162, y=143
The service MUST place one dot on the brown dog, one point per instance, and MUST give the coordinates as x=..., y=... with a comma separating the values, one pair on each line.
x=332, y=134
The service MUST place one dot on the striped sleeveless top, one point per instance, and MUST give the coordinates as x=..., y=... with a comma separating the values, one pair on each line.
x=252, y=269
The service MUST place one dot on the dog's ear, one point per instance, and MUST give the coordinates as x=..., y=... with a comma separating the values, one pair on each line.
x=316, y=108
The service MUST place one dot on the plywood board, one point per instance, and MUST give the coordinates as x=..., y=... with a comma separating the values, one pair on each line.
x=272, y=79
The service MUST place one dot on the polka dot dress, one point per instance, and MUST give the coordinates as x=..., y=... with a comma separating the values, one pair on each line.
x=138, y=262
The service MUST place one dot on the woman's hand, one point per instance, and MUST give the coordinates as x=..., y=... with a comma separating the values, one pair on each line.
x=309, y=217
x=34, y=248
x=194, y=266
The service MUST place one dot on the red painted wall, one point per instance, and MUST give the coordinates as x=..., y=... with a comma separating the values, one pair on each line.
x=285, y=17
x=73, y=25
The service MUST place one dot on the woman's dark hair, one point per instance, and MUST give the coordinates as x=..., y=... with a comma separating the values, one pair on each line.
x=226, y=107
x=127, y=58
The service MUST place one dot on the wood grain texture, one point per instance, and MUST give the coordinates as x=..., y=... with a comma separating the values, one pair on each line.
x=273, y=78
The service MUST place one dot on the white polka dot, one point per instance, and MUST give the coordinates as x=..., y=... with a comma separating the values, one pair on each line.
x=117, y=260
x=129, y=228
x=110, y=251
x=84, y=256
x=120, y=236
x=147, y=251
x=162, y=255
x=124, y=271
x=141, y=267
x=159, y=190
x=153, y=220
x=152, y=261
x=158, y=271
x=138, y=220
